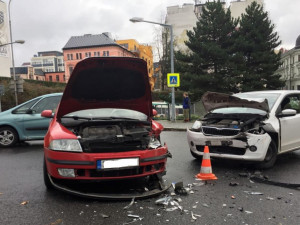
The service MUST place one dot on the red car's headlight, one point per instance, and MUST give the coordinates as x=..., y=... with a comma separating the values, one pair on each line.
x=70, y=145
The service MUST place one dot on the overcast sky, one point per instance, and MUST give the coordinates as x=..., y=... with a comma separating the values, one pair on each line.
x=47, y=25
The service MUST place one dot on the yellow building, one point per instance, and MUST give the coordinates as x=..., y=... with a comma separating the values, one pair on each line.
x=142, y=51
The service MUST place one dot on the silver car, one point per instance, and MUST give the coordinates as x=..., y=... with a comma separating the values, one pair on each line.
x=252, y=126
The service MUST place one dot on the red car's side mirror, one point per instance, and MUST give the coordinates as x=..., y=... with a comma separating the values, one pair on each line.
x=154, y=112
x=47, y=114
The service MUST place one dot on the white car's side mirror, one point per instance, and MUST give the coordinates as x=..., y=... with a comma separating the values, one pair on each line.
x=288, y=112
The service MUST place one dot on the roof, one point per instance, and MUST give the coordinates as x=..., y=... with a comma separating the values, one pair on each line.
x=89, y=40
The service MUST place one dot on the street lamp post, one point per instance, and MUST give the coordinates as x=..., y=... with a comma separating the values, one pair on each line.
x=137, y=19
x=12, y=54
x=16, y=41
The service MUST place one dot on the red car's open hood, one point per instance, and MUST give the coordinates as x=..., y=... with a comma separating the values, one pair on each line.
x=214, y=100
x=108, y=82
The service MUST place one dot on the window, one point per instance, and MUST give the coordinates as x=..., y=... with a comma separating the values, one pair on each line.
x=64, y=77
x=50, y=78
x=46, y=103
x=291, y=102
x=96, y=54
x=88, y=54
x=25, y=107
x=57, y=77
x=78, y=56
x=70, y=56
x=105, y=53
x=70, y=69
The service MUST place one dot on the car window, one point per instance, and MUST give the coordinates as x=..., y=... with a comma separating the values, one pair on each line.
x=46, y=103
x=25, y=107
x=291, y=102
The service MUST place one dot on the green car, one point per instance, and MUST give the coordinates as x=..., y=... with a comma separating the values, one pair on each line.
x=24, y=122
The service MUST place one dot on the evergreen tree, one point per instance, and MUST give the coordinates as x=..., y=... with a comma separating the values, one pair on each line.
x=208, y=66
x=255, y=44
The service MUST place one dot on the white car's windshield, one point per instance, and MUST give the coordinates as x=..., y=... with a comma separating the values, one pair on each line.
x=271, y=97
x=109, y=113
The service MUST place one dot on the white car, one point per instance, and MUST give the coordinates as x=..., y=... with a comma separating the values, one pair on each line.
x=252, y=126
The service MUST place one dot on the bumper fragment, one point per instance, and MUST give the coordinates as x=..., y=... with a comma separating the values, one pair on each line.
x=139, y=194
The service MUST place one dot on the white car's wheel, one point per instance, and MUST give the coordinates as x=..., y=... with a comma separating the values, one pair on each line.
x=8, y=137
x=270, y=158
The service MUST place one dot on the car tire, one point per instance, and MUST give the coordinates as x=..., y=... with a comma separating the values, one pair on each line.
x=8, y=137
x=270, y=158
x=47, y=181
x=195, y=155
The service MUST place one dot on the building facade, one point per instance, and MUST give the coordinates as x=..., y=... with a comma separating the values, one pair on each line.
x=88, y=45
x=5, y=54
x=182, y=18
x=29, y=73
x=238, y=7
x=290, y=67
x=48, y=61
x=141, y=51
x=55, y=77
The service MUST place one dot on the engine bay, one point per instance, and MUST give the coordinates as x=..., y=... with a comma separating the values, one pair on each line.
x=112, y=136
x=241, y=122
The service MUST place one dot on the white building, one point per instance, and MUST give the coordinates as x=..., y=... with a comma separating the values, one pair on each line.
x=48, y=61
x=182, y=18
x=290, y=67
x=238, y=7
x=5, y=56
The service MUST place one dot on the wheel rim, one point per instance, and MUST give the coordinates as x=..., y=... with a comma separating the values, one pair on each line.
x=6, y=137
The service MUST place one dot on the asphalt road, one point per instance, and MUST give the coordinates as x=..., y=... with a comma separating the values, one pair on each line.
x=21, y=181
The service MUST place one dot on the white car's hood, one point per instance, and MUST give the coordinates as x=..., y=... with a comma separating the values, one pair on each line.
x=214, y=100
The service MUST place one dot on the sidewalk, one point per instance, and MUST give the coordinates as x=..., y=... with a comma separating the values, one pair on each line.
x=179, y=125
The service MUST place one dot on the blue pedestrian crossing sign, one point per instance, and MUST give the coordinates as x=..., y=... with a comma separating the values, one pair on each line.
x=173, y=79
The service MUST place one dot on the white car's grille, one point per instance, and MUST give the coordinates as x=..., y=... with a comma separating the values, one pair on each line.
x=219, y=131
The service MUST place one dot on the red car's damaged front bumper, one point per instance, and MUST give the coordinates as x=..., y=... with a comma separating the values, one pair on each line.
x=152, y=161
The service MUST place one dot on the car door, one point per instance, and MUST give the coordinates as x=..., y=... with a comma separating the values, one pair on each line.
x=34, y=125
x=290, y=126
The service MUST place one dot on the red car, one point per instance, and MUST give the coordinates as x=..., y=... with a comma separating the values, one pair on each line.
x=103, y=128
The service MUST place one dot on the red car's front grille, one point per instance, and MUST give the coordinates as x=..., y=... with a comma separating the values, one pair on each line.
x=121, y=172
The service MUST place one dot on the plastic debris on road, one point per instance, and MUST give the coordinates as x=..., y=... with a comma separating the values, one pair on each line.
x=24, y=203
x=163, y=201
x=130, y=204
x=233, y=184
x=253, y=193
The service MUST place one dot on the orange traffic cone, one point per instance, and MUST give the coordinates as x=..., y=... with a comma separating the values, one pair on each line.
x=206, y=171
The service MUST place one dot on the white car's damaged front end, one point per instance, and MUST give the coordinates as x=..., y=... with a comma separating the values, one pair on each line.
x=234, y=128
x=226, y=139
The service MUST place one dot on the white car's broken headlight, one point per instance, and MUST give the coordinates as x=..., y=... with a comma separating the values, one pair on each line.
x=197, y=125
x=70, y=145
